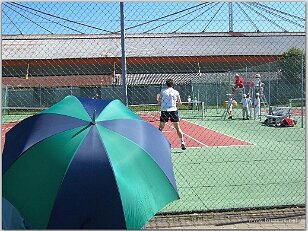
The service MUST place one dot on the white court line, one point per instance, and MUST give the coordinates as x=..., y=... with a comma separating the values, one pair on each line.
x=171, y=126
x=204, y=145
x=167, y=131
x=221, y=133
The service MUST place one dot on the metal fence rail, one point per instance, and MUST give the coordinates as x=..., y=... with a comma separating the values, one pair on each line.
x=54, y=49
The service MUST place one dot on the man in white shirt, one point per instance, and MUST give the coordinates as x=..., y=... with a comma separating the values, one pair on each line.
x=245, y=107
x=170, y=100
x=259, y=85
x=257, y=105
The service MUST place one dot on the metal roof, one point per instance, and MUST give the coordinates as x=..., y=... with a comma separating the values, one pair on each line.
x=148, y=45
x=58, y=81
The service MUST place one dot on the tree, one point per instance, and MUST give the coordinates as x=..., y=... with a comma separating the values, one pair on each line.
x=291, y=65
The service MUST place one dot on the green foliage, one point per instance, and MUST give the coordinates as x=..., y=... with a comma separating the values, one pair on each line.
x=291, y=65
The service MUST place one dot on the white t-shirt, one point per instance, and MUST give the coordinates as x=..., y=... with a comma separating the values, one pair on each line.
x=169, y=97
x=257, y=102
x=246, y=102
x=230, y=105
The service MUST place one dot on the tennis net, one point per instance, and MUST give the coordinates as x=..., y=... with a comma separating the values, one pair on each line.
x=151, y=112
x=148, y=112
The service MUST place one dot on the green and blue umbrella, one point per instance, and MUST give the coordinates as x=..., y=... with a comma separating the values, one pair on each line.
x=87, y=163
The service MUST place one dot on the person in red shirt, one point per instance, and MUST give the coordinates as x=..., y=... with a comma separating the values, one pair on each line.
x=238, y=83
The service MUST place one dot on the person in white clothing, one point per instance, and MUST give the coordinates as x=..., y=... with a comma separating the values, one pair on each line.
x=230, y=106
x=245, y=107
x=257, y=105
x=189, y=103
x=189, y=99
x=250, y=106
x=259, y=85
x=170, y=100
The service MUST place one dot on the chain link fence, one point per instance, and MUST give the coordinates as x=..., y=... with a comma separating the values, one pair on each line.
x=54, y=49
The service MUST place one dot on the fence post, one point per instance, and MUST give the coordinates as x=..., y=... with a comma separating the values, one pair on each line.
x=302, y=103
x=123, y=60
x=206, y=98
x=269, y=86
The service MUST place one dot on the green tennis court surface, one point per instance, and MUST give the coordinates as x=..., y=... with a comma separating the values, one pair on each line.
x=269, y=173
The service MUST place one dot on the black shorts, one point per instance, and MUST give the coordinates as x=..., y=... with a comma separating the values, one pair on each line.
x=172, y=115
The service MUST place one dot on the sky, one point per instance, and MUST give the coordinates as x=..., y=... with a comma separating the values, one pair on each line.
x=150, y=17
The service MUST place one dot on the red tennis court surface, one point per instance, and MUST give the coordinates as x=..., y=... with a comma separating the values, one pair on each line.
x=5, y=128
x=298, y=112
x=198, y=136
x=194, y=135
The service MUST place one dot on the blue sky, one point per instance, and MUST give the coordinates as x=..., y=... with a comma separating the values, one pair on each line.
x=150, y=17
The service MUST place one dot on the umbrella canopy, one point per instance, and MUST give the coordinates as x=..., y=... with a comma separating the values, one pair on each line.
x=87, y=163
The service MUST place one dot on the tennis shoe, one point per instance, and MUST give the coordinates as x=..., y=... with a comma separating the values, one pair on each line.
x=183, y=146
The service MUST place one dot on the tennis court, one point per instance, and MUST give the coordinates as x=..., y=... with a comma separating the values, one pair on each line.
x=238, y=164
x=196, y=135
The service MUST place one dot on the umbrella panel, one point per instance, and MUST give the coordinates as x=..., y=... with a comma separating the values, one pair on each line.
x=32, y=183
x=143, y=186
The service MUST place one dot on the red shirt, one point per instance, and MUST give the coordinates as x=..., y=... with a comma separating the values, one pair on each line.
x=239, y=81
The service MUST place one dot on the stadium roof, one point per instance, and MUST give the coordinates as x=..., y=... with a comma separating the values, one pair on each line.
x=23, y=47
x=53, y=55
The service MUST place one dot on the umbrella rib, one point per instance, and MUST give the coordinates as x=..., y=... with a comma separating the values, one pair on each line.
x=81, y=130
x=93, y=118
